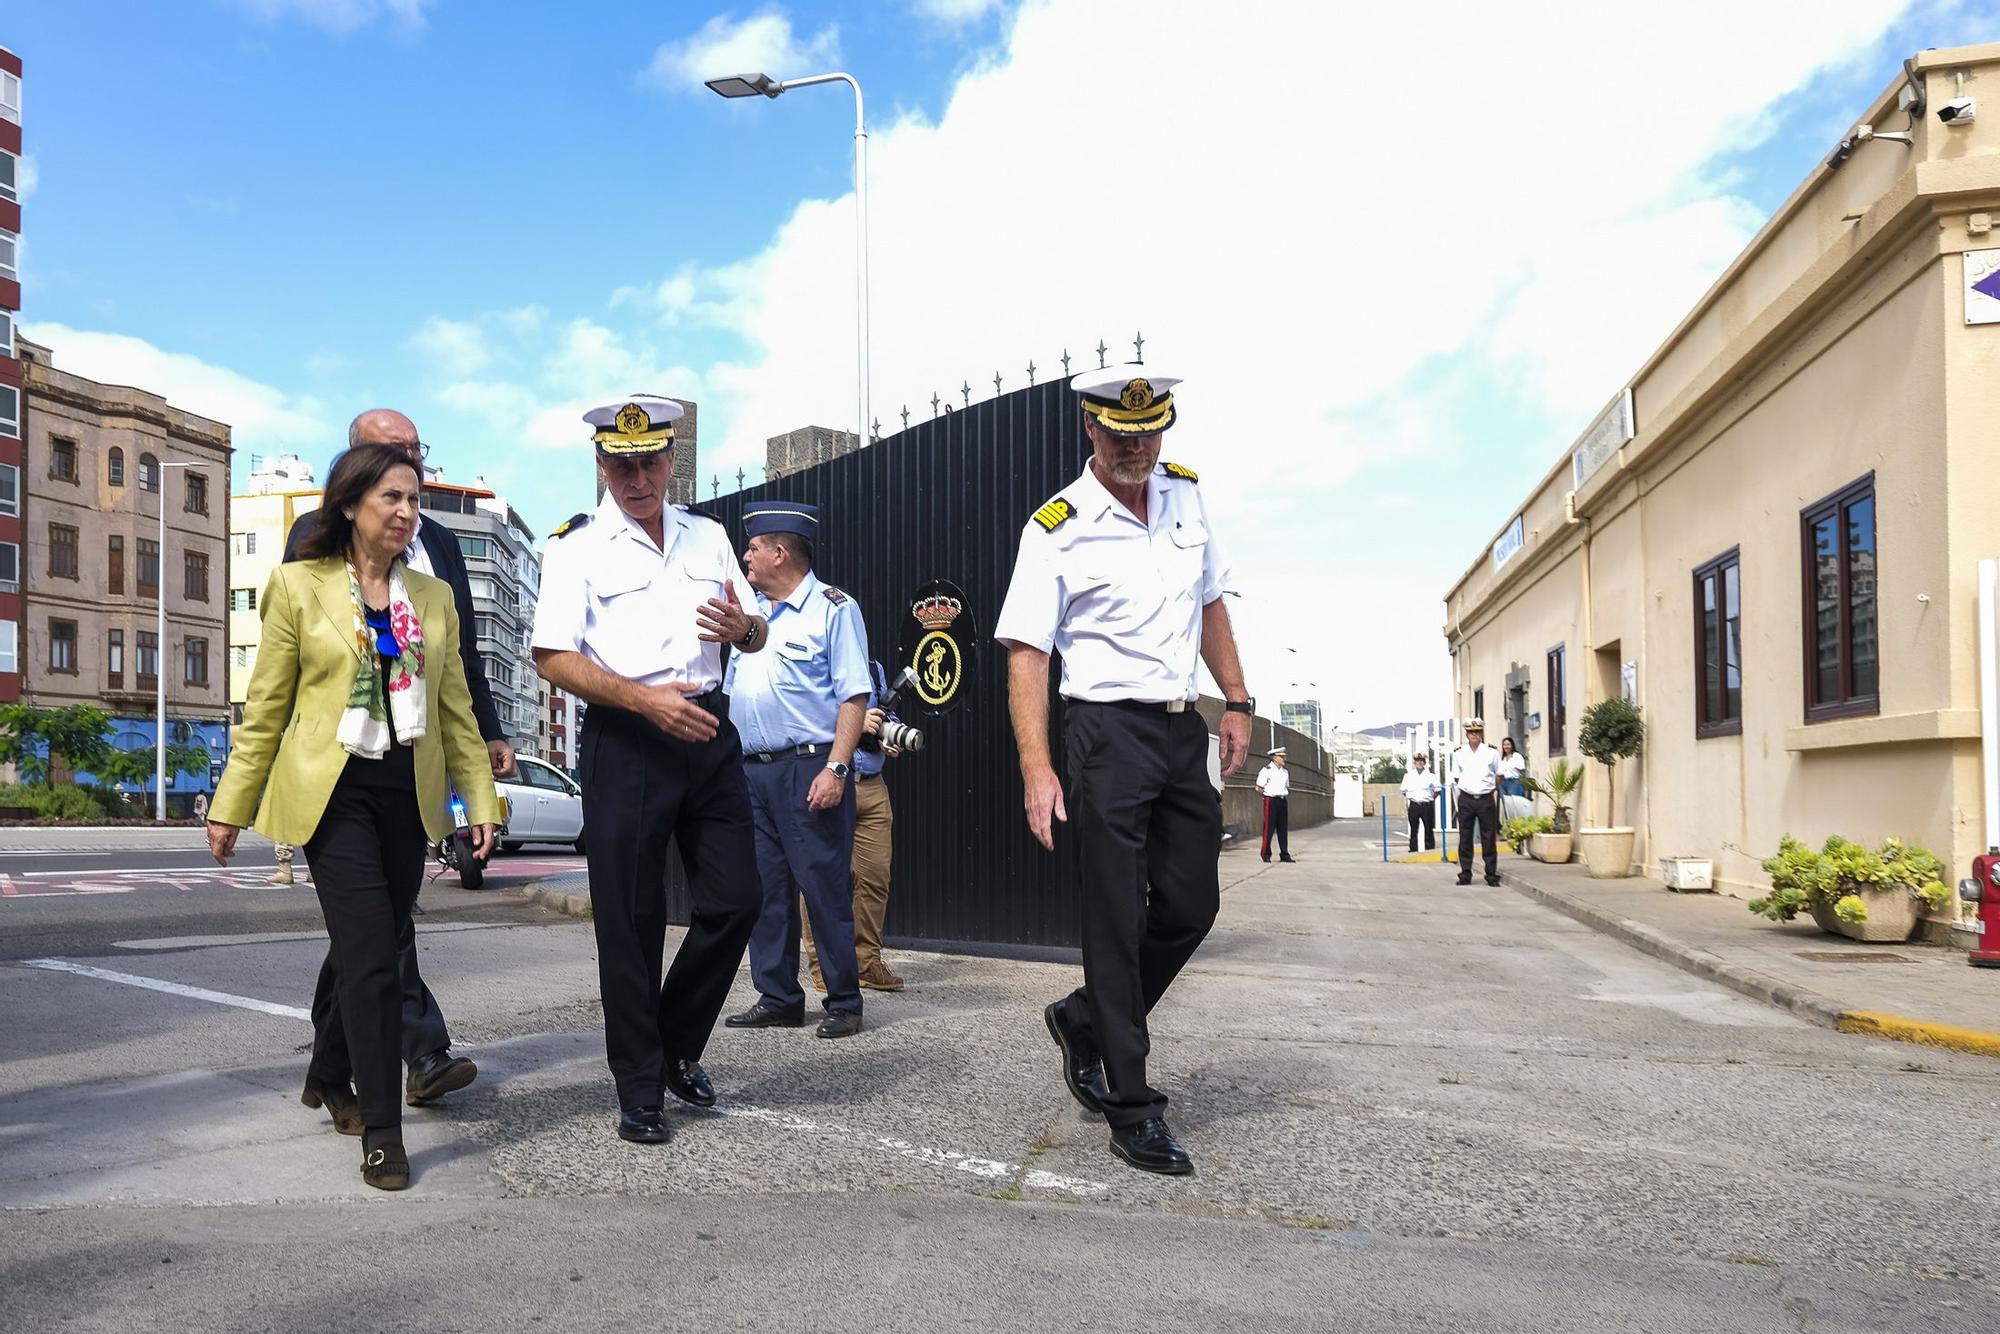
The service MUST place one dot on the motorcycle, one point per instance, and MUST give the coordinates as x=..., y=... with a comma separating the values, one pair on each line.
x=455, y=853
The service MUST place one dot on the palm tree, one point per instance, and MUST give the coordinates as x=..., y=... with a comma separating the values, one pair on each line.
x=1559, y=786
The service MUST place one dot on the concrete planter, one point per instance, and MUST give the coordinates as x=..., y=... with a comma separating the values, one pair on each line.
x=1551, y=848
x=1607, y=852
x=1893, y=915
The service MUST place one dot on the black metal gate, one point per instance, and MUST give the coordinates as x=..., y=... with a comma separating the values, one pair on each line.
x=946, y=499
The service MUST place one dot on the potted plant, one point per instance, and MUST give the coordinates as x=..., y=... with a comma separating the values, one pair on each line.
x=1559, y=786
x=1613, y=730
x=1523, y=829
x=1852, y=892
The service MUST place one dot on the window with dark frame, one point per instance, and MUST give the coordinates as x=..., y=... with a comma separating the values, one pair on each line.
x=149, y=567
x=1558, y=706
x=197, y=493
x=62, y=459
x=62, y=551
x=194, y=568
x=149, y=473
x=1479, y=703
x=1718, y=644
x=114, y=466
x=146, y=661
x=1842, y=641
x=195, y=662
x=114, y=659
x=62, y=647
x=115, y=567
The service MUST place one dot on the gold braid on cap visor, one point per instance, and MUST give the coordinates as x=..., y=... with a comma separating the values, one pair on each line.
x=611, y=440
x=1155, y=416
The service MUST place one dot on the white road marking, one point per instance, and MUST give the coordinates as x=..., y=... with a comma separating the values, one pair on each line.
x=961, y=1162
x=171, y=988
x=278, y=937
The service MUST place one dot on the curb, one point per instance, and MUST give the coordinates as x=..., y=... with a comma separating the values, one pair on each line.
x=1808, y=1005
x=568, y=902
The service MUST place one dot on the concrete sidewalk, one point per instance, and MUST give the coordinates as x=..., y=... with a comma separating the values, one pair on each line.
x=1913, y=993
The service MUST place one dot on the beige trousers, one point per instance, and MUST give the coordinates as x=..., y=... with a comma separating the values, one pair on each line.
x=873, y=820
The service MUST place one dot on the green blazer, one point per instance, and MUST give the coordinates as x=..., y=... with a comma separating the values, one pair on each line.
x=285, y=761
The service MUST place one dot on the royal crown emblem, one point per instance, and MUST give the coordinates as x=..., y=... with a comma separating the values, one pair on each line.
x=936, y=612
x=632, y=420
x=1138, y=394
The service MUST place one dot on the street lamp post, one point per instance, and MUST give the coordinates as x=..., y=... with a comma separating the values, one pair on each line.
x=763, y=85
x=160, y=649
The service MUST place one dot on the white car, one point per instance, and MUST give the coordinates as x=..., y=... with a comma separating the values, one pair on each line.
x=544, y=805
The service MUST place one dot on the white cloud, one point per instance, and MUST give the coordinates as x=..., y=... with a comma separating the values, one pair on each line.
x=30, y=177
x=953, y=12
x=261, y=417
x=340, y=16
x=1328, y=248
x=763, y=43
x=453, y=347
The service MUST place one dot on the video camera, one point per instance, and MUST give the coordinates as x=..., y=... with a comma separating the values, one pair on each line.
x=894, y=733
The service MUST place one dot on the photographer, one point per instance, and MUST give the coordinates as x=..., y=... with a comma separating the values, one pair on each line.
x=874, y=820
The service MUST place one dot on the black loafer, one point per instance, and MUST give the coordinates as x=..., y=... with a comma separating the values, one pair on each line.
x=761, y=1015
x=437, y=1074
x=1083, y=1068
x=1493, y=884
x=339, y=1101
x=687, y=1081
x=1151, y=1147
x=1288, y=859
x=387, y=1168
x=1463, y=880
x=838, y=1024
x=643, y=1125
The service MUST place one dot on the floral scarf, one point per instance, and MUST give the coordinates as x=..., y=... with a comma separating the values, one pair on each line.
x=365, y=723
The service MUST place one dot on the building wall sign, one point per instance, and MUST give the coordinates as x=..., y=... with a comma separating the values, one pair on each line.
x=1982, y=287
x=1612, y=429
x=1509, y=543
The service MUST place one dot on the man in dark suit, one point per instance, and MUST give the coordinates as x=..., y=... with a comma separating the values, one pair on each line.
x=434, y=1071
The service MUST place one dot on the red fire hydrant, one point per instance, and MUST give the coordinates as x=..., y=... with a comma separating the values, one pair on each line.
x=1983, y=888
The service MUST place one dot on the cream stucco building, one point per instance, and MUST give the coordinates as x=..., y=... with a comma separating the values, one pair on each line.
x=1771, y=536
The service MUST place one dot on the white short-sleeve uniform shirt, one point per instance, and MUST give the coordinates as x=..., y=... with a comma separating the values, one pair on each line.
x=1119, y=598
x=629, y=606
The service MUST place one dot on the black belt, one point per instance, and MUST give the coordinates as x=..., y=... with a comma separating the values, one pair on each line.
x=1143, y=705
x=789, y=752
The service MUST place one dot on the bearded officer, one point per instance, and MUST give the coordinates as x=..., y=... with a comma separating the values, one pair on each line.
x=1121, y=575
x=638, y=598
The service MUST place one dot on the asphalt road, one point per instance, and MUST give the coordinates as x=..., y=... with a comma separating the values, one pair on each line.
x=1414, y=1107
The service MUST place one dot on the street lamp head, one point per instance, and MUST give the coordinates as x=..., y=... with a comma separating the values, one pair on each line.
x=746, y=85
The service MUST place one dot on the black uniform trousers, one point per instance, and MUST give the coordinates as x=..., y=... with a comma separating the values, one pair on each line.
x=1423, y=813
x=1483, y=810
x=642, y=787
x=1150, y=828
x=367, y=860
x=1278, y=825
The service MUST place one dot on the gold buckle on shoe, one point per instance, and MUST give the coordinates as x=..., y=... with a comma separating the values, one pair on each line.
x=376, y=1159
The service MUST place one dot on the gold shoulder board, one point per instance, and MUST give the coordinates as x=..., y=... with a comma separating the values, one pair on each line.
x=1054, y=514
x=1185, y=473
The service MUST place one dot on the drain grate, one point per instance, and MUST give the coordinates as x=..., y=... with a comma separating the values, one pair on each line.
x=1852, y=956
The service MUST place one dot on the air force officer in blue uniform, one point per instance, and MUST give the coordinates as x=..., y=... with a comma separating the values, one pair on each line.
x=799, y=709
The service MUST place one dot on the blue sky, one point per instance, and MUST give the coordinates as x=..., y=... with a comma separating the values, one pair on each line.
x=1426, y=258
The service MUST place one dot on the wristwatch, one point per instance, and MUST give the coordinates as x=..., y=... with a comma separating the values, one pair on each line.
x=1248, y=706
x=839, y=770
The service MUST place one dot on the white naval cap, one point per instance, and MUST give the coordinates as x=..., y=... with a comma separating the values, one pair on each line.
x=1129, y=399
x=642, y=424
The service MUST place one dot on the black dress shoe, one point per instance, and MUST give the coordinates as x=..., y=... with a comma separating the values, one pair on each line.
x=643, y=1125
x=1288, y=859
x=1493, y=883
x=387, y=1167
x=1267, y=859
x=761, y=1015
x=339, y=1101
x=1464, y=880
x=1083, y=1068
x=437, y=1074
x=687, y=1081
x=838, y=1024
x=1151, y=1147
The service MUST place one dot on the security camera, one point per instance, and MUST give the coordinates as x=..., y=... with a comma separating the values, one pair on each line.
x=1959, y=111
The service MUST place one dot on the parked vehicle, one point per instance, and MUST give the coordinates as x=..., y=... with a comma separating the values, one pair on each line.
x=455, y=852
x=545, y=805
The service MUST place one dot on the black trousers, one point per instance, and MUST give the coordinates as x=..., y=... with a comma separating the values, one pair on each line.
x=1277, y=824
x=423, y=1022
x=641, y=788
x=367, y=860
x=1483, y=810
x=1423, y=813
x=1150, y=828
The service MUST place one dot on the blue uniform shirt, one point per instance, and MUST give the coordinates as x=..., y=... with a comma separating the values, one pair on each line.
x=817, y=658
x=868, y=763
